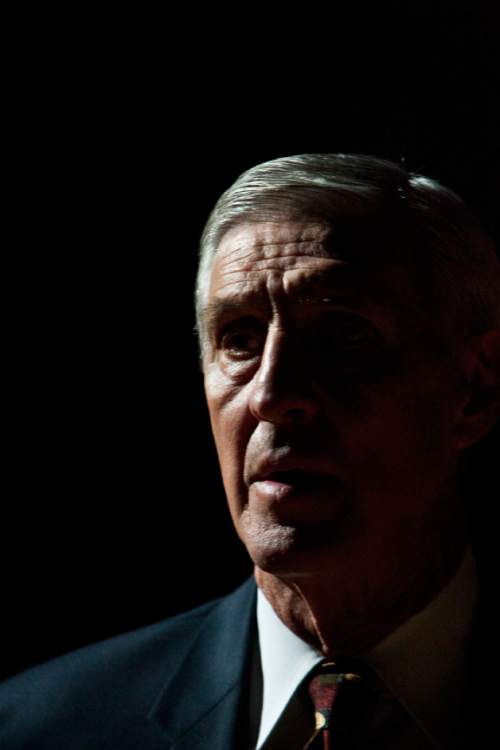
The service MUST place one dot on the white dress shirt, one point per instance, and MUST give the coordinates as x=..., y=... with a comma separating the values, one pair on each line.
x=422, y=662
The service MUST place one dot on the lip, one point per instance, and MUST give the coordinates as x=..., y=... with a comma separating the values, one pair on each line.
x=279, y=485
x=290, y=470
x=297, y=489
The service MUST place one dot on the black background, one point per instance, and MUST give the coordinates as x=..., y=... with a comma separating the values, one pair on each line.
x=114, y=513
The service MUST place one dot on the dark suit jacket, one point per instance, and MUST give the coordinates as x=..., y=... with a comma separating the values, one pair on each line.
x=177, y=684
x=181, y=684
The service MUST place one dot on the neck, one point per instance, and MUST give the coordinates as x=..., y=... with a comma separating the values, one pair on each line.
x=342, y=614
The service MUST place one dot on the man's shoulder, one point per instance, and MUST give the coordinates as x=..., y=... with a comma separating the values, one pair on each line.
x=169, y=634
x=107, y=680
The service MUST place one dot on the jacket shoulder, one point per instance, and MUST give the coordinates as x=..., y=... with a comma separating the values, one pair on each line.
x=107, y=680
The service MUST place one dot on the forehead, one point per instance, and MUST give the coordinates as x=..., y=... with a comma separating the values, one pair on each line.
x=274, y=241
x=293, y=260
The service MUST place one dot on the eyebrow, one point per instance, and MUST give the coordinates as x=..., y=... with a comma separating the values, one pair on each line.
x=224, y=308
x=219, y=309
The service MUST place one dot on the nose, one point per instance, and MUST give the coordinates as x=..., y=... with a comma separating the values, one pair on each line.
x=281, y=390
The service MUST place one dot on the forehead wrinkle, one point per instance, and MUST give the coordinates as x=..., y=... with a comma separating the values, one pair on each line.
x=227, y=254
x=271, y=250
x=299, y=263
x=311, y=276
x=275, y=238
x=249, y=248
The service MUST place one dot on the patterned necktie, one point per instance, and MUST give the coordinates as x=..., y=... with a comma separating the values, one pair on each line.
x=337, y=695
x=343, y=698
x=327, y=692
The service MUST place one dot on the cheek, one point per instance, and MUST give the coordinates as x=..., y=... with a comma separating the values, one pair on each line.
x=228, y=417
x=401, y=451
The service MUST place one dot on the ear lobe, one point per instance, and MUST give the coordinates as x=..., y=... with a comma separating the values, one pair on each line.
x=481, y=407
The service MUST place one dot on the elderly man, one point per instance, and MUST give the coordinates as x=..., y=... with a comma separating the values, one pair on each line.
x=349, y=323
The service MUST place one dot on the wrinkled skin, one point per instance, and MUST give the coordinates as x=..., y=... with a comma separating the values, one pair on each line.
x=315, y=365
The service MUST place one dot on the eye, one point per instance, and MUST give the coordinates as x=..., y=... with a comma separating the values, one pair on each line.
x=351, y=336
x=241, y=339
x=342, y=345
x=344, y=338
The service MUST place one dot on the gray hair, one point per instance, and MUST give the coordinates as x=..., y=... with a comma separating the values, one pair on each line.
x=379, y=212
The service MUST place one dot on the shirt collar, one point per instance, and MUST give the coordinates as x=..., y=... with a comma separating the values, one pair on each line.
x=285, y=659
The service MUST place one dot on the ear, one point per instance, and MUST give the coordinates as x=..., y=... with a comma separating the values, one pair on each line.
x=480, y=407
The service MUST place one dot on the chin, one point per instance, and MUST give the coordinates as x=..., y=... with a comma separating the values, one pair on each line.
x=285, y=551
x=266, y=541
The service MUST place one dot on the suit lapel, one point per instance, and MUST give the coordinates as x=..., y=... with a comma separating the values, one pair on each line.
x=198, y=707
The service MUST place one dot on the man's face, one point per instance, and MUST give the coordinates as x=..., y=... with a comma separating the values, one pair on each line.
x=332, y=414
